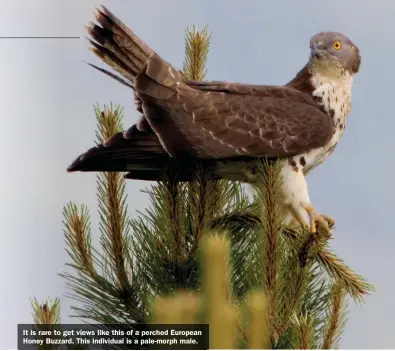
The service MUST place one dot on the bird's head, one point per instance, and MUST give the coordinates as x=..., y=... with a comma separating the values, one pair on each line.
x=332, y=51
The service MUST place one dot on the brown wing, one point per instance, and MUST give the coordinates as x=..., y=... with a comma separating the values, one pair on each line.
x=218, y=120
x=212, y=119
x=258, y=120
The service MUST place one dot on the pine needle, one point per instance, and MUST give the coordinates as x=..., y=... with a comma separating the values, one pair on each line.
x=109, y=121
x=336, y=318
x=196, y=50
x=215, y=251
x=293, y=283
x=315, y=248
x=47, y=312
x=175, y=218
x=272, y=216
x=303, y=328
x=102, y=280
x=112, y=200
x=222, y=315
x=77, y=235
x=46, y=317
x=258, y=333
x=203, y=194
x=180, y=309
x=354, y=283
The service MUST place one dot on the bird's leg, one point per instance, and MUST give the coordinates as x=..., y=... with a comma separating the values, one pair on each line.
x=299, y=217
x=296, y=198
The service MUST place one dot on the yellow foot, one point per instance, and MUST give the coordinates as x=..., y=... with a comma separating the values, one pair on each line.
x=318, y=221
x=330, y=220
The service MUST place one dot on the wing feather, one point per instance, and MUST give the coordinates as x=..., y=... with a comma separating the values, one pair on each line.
x=254, y=120
x=208, y=120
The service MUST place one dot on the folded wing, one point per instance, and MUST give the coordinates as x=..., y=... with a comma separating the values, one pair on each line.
x=205, y=120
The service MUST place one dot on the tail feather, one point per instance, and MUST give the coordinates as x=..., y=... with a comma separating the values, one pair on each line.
x=140, y=165
x=140, y=159
x=152, y=145
x=141, y=155
x=120, y=154
x=143, y=50
x=114, y=43
x=112, y=60
x=112, y=75
x=115, y=159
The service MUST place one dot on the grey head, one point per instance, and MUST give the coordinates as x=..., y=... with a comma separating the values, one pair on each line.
x=334, y=50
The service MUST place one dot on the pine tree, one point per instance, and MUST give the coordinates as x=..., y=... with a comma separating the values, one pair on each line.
x=205, y=252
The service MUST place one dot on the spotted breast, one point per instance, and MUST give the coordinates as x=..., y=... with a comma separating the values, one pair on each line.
x=334, y=95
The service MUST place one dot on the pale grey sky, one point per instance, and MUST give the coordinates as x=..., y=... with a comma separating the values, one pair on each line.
x=46, y=99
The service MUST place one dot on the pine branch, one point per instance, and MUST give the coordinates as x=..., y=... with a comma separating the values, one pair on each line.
x=222, y=315
x=113, y=212
x=196, y=50
x=236, y=221
x=180, y=309
x=258, y=336
x=272, y=216
x=101, y=298
x=203, y=194
x=108, y=296
x=316, y=299
x=336, y=317
x=109, y=122
x=111, y=197
x=303, y=328
x=315, y=247
x=213, y=304
x=78, y=238
x=215, y=251
x=47, y=312
x=175, y=218
x=354, y=283
x=154, y=242
x=205, y=202
x=46, y=317
x=293, y=282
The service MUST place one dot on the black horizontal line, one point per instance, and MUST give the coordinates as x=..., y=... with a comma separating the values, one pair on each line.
x=40, y=37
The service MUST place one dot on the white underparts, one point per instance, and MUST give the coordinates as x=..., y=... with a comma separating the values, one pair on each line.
x=295, y=191
x=335, y=98
x=334, y=95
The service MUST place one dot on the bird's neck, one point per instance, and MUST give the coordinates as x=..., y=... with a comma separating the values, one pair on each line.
x=302, y=81
x=330, y=88
x=306, y=79
x=326, y=82
x=333, y=95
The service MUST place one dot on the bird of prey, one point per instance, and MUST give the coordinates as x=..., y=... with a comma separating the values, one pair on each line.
x=224, y=126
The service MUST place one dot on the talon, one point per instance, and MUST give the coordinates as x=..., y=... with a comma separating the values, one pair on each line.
x=323, y=225
x=318, y=222
x=313, y=224
x=313, y=217
x=323, y=222
x=330, y=220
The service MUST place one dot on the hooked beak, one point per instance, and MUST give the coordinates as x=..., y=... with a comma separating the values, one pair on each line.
x=317, y=51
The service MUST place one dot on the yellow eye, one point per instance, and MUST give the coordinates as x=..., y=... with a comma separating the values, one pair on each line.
x=337, y=45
